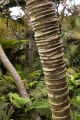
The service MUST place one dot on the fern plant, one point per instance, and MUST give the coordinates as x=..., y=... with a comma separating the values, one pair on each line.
x=7, y=84
x=12, y=43
x=18, y=101
x=72, y=55
x=6, y=109
x=42, y=106
x=34, y=75
x=40, y=91
x=74, y=88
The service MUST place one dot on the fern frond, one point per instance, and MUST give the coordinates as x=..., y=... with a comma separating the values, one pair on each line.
x=12, y=43
x=17, y=100
x=73, y=49
x=40, y=91
x=37, y=64
x=42, y=106
x=6, y=83
x=34, y=75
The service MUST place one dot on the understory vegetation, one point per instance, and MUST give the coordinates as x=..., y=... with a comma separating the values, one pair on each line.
x=18, y=42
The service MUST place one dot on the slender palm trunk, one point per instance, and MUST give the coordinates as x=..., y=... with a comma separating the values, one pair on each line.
x=18, y=81
x=15, y=75
x=45, y=25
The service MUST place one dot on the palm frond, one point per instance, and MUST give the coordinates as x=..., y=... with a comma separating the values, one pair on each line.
x=71, y=71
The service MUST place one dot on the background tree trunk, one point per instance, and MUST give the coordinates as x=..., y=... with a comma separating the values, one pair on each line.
x=45, y=25
x=18, y=81
x=31, y=47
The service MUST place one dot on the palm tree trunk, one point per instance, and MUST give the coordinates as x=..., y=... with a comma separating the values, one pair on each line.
x=18, y=81
x=45, y=26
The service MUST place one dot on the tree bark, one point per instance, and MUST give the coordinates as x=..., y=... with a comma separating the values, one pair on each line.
x=18, y=81
x=31, y=47
x=45, y=26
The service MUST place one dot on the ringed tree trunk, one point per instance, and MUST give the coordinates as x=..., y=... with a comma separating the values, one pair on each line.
x=18, y=81
x=50, y=47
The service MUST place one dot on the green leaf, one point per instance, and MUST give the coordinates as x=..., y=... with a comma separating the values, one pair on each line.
x=78, y=100
x=42, y=106
x=17, y=100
